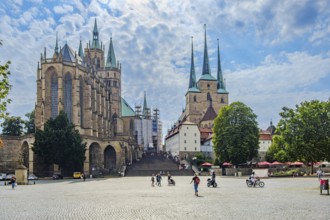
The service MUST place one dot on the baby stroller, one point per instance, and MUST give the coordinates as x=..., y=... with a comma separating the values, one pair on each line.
x=171, y=182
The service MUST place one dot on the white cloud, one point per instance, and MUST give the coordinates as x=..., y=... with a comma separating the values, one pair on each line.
x=63, y=9
x=268, y=88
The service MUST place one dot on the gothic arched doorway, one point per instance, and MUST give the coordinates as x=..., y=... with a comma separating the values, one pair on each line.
x=110, y=159
x=95, y=158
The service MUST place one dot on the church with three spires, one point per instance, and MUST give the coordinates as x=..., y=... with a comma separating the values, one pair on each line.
x=204, y=98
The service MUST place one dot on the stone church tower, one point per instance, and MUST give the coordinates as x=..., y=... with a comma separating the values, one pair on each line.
x=85, y=85
x=206, y=96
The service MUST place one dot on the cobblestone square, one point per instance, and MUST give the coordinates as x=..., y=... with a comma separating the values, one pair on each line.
x=134, y=198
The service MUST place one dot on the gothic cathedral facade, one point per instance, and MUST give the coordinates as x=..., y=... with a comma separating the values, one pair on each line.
x=87, y=87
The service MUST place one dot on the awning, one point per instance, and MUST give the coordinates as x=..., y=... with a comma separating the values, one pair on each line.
x=206, y=164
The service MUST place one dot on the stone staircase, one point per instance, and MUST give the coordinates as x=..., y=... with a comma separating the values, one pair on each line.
x=149, y=165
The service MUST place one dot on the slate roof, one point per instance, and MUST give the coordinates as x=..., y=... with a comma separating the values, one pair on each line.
x=210, y=114
x=68, y=53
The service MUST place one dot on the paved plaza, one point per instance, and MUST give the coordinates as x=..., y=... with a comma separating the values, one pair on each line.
x=134, y=198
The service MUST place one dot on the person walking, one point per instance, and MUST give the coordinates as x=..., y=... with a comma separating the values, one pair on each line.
x=159, y=179
x=84, y=176
x=13, y=182
x=213, y=177
x=153, y=180
x=196, y=181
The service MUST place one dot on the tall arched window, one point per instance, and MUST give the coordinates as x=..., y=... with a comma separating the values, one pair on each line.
x=209, y=97
x=54, y=95
x=81, y=101
x=68, y=96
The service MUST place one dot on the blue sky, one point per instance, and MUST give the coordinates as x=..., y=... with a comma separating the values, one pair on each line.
x=273, y=53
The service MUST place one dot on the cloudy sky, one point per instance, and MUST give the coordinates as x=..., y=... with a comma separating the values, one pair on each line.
x=273, y=53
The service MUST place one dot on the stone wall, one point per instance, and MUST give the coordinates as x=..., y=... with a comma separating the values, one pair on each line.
x=11, y=154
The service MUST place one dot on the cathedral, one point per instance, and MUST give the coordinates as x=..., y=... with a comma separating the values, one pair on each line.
x=87, y=87
x=204, y=99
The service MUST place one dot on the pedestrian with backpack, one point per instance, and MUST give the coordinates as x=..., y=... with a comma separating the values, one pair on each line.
x=196, y=181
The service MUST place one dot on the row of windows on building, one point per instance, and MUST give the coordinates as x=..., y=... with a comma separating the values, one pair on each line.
x=186, y=141
x=186, y=134
x=209, y=98
x=112, y=83
x=185, y=148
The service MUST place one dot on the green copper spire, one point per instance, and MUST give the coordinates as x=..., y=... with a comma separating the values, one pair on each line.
x=206, y=74
x=221, y=84
x=95, y=42
x=206, y=64
x=111, y=58
x=192, y=80
x=80, y=52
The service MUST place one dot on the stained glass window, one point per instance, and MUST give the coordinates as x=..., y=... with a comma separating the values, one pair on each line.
x=81, y=101
x=54, y=95
x=68, y=96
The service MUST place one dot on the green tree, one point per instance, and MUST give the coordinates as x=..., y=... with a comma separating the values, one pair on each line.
x=30, y=123
x=278, y=150
x=12, y=126
x=236, y=134
x=306, y=131
x=59, y=143
x=4, y=87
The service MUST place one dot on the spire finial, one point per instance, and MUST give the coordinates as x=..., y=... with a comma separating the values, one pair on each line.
x=206, y=65
x=192, y=79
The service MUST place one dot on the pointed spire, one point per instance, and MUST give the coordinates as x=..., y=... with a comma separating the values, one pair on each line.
x=192, y=79
x=145, y=107
x=206, y=64
x=56, y=45
x=219, y=72
x=111, y=58
x=80, y=52
x=221, y=84
x=95, y=43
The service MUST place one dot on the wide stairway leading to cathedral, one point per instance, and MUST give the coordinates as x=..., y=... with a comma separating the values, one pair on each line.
x=149, y=165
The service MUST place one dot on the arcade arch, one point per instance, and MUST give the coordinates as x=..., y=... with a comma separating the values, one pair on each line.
x=110, y=158
x=95, y=158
